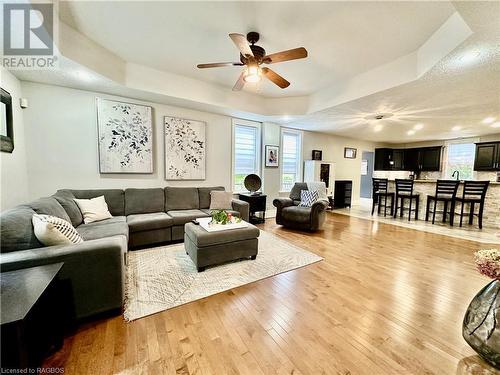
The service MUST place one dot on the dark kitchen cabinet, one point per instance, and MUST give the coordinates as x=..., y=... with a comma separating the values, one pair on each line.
x=487, y=157
x=411, y=159
x=388, y=159
x=430, y=159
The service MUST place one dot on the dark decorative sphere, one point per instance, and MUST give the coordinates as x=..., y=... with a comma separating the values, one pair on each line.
x=252, y=182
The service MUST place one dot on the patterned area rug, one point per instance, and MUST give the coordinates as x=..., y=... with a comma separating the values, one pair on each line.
x=164, y=277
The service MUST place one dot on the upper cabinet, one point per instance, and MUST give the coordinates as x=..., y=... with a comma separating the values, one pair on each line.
x=410, y=159
x=487, y=157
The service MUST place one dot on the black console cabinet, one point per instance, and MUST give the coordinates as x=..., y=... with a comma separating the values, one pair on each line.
x=343, y=193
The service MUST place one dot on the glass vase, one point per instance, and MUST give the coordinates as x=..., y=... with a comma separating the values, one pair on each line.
x=481, y=323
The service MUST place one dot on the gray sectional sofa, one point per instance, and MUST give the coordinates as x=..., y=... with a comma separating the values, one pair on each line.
x=94, y=270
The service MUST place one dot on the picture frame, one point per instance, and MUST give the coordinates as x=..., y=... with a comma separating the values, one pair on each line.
x=317, y=155
x=7, y=131
x=350, y=153
x=185, y=149
x=125, y=137
x=272, y=156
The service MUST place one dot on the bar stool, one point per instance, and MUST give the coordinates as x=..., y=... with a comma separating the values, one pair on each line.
x=404, y=190
x=380, y=190
x=474, y=192
x=446, y=192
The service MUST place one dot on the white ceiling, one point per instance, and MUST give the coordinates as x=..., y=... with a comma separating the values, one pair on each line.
x=343, y=38
x=343, y=80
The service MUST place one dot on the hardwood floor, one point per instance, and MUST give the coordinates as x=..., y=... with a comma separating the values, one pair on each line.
x=385, y=300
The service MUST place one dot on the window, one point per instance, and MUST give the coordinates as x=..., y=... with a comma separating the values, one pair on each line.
x=461, y=159
x=291, y=145
x=246, y=151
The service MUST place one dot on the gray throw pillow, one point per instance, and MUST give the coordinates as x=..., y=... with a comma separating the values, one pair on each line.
x=221, y=200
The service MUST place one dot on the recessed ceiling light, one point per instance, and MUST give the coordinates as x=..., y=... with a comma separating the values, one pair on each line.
x=83, y=75
x=378, y=128
x=456, y=128
x=418, y=126
x=469, y=57
x=496, y=125
x=489, y=120
x=410, y=132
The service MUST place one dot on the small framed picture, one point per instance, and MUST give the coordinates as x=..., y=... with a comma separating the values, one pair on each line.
x=272, y=156
x=350, y=153
x=317, y=155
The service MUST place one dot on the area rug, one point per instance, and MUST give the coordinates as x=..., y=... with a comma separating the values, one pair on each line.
x=164, y=277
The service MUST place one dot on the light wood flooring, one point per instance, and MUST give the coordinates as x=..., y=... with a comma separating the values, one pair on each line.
x=385, y=300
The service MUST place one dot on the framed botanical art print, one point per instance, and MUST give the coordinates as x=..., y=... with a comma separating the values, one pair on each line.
x=125, y=137
x=272, y=156
x=185, y=149
x=350, y=153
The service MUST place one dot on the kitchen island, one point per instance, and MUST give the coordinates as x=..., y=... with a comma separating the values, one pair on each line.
x=491, y=214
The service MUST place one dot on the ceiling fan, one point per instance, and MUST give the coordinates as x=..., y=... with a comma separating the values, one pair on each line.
x=252, y=56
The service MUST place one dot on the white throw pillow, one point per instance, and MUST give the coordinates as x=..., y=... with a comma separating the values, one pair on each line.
x=221, y=200
x=308, y=198
x=95, y=209
x=51, y=230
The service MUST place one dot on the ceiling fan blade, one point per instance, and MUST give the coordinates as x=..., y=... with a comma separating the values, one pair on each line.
x=242, y=44
x=291, y=54
x=240, y=82
x=217, y=65
x=275, y=78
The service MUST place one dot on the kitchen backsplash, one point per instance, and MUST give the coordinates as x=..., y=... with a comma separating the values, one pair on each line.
x=391, y=175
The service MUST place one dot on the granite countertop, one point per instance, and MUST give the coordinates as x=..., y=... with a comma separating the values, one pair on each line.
x=431, y=181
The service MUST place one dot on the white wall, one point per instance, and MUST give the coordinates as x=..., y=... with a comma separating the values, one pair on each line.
x=14, y=179
x=62, y=143
x=333, y=151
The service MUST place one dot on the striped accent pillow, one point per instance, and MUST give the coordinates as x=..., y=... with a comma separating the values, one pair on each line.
x=51, y=230
x=308, y=198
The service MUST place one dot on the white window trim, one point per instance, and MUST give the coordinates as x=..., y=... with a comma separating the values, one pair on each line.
x=300, y=161
x=456, y=141
x=253, y=124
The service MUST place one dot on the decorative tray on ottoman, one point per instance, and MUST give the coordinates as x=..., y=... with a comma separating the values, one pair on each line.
x=206, y=223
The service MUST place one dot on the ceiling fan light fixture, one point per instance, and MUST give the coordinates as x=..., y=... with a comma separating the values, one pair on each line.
x=253, y=74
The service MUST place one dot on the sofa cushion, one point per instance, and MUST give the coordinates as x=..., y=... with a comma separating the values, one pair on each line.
x=144, y=201
x=115, y=198
x=296, y=189
x=204, y=195
x=101, y=229
x=297, y=214
x=156, y=220
x=111, y=220
x=232, y=212
x=181, y=198
x=49, y=206
x=16, y=230
x=181, y=217
x=66, y=200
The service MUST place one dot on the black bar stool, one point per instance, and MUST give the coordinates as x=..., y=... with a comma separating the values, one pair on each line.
x=380, y=191
x=446, y=192
x=404, y=190
x=474, y=192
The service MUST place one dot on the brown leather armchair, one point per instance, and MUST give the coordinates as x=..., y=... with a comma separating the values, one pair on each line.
x=289, y=214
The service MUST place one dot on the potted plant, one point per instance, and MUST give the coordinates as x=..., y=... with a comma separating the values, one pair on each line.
x=480, y=326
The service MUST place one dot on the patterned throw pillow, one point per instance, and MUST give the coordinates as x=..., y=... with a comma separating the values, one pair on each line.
x=308, y=198
x=51, y=230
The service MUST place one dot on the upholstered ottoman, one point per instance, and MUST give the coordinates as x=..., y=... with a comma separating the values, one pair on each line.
x=210, y=248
